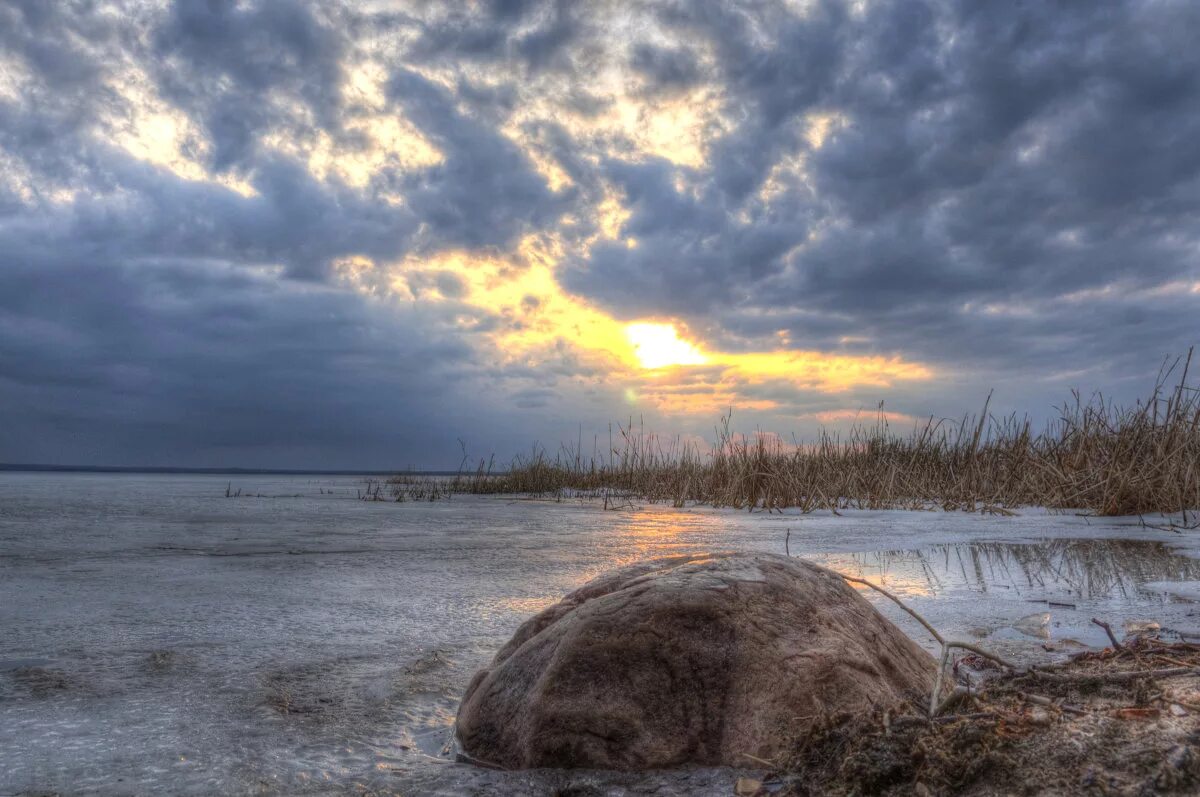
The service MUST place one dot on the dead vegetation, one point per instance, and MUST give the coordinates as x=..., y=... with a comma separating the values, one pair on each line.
x=231, y=492
x=1113, y=722
x=1124, y=720
x=1095, y=456
x=42, y=681
x=1120, y=721
x=406, y=488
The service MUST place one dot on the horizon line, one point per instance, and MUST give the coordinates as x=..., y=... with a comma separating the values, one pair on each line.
x=15, y=467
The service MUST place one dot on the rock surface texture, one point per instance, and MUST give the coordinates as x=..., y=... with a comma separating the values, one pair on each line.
x=687, y=660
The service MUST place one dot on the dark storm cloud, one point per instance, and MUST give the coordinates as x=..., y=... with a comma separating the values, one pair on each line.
x=691, y=255
x=191, y=361
x=222, y=59
x=991, y=152
x=486, y=192
x=67, y=51
x=666, y=69
x=144, y=320
x=115, y=351
x=153, y=329
x=234, y=64
x=537, y=34
x=1007, y=191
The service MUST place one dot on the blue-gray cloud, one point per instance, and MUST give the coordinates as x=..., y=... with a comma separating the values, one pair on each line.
x=232, y=65
x=1008, y=192
x=987, y=154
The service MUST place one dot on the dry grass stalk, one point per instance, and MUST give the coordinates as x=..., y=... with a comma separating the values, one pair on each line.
x=1095, y=456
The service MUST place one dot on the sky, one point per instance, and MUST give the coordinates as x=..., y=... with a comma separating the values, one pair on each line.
x=280, y=233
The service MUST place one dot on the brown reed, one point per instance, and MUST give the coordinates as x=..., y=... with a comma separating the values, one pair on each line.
x=1095, y=456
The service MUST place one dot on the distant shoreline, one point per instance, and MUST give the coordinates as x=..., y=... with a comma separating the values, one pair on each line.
x=27, y=468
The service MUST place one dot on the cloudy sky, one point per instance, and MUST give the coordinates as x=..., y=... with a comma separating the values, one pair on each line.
x=334, y=234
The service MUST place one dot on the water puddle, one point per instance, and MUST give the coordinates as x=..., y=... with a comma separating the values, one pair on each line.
x=1041, y=594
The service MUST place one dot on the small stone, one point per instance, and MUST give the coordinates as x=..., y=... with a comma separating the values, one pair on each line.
x=1034, y=625
x=1039, y=716
x=747, y=787
x=1178, y=710
x=1141, y=626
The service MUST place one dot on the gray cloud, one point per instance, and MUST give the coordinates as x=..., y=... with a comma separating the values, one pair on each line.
x=532, y=34
x=234, y=65
x=486, y=192
x=667, y=70
x=991, y=153
x=1006, y=192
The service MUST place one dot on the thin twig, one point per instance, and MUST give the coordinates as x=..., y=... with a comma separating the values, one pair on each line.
x=770, y=764
x=937, y=682
x=1045, y=701
x=1111, y=677
x=1111, y=636
x=987, y=654
x=946, y=644
x=933, y=631
x=959, y=694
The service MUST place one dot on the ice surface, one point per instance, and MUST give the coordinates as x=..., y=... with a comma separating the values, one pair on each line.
x=156, y=636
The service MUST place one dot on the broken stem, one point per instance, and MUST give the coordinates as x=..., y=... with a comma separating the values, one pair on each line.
x=1111, y=636
x=893, y=598
x=1038, y=700
x=959, y=694
x=937, y=682
x=1112, y=677
x=987, y=654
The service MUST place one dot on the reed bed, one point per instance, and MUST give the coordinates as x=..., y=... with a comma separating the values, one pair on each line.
x=1095, y=456
x=406, y=487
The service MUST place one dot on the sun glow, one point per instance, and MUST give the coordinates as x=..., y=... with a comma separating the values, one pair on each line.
x=659, y=345
x=516, y=304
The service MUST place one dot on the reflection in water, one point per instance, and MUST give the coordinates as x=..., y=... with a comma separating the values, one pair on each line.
x=653, y=534
x=1072, y=570
x=522, y=605
x=1027, y=598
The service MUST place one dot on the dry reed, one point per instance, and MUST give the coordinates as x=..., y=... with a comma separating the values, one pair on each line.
x=1096, y=456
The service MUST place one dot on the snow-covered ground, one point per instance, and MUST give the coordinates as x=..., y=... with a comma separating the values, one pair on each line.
x=156, y=636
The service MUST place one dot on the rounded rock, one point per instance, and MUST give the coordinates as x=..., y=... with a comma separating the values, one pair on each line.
x=707, y=660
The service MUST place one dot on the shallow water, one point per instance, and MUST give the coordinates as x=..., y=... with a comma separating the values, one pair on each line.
x=158, y=636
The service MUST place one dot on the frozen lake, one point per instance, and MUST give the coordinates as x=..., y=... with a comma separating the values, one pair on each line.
x=156, y=636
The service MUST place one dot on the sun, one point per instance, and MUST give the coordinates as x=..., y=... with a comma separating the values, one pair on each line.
x=659, y=345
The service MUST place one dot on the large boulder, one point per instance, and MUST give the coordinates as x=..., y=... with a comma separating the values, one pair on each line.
x=687, y=660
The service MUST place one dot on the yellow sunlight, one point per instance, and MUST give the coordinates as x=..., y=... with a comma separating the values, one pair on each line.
x=658, y=345
x=536, y=322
